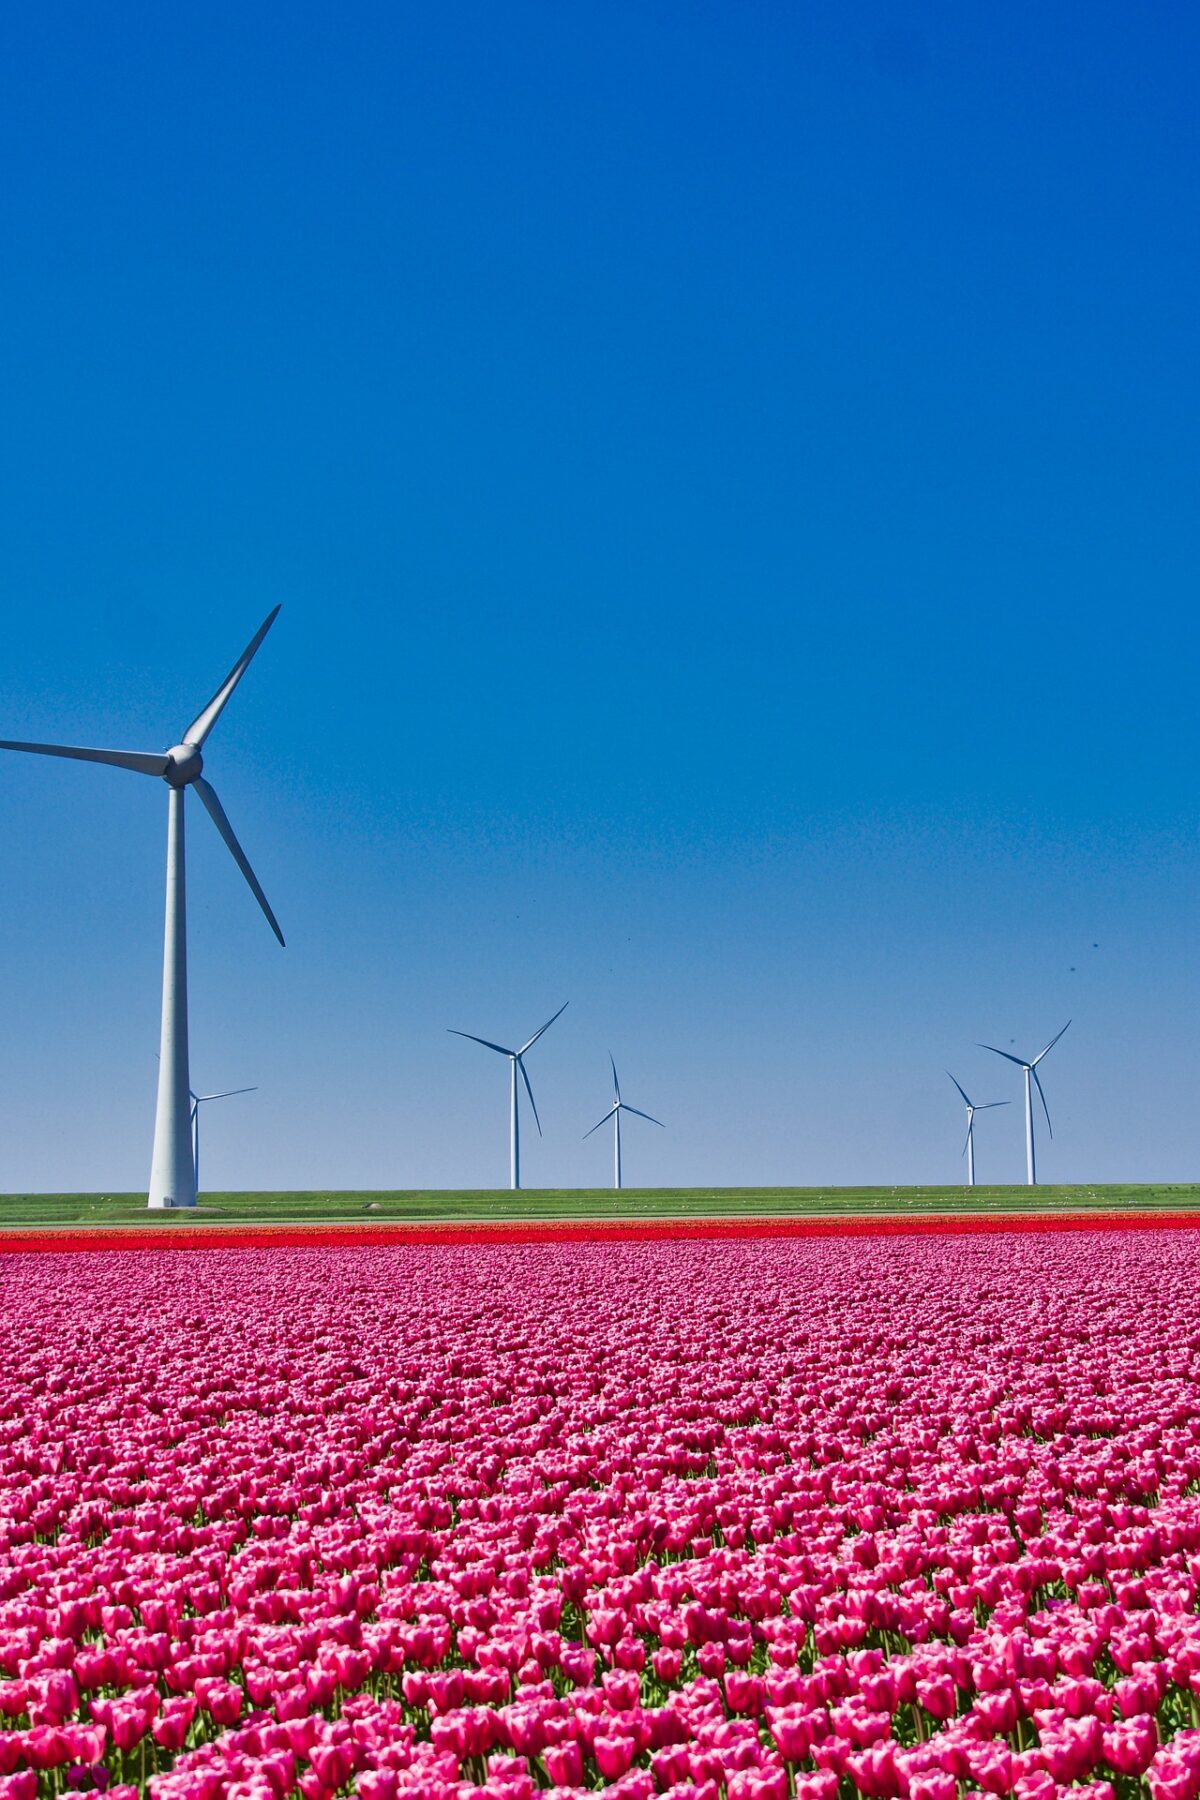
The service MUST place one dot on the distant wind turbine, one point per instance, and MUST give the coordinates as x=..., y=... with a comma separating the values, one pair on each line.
x=614, y=1113
x=972, y=1109
x=199, y=1100
x=172, y=1169
x=1030, y=1069
x=516, y=1061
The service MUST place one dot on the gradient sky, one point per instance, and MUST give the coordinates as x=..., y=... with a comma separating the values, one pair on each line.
x=730, y=472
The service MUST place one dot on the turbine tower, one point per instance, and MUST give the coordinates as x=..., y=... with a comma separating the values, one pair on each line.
x=199, y=1100
x=972, y=1109
x=516, y=1061
x=1030, y=1069
x=614, y=1113
x=172, y=1168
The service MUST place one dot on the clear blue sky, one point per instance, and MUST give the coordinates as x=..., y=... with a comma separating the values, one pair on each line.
x=730, y=472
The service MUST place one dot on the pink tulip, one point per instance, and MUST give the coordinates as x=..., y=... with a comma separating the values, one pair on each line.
x=378, y=1784
x=938, y=1697
x=613, y=1756
x=823, y=1786
x=564, y=1764
x=991, y=1767
x=87, y=1743
x=333, y=1764
x=874, y=1773
x=1130, y=1745
x=743, y=1693
x=1142, y=1690
x=579, y=1665
x=170, y=1729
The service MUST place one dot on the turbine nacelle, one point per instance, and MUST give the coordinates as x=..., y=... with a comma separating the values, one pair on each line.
x=184, y=763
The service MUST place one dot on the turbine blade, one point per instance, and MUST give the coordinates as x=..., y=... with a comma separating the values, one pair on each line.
x=529, y=1091
x=967, y=1139
x=225, y=1094
x=1019, y=1060
x=960, y=1089
x=604, y=1121
x=616, y=1083
x=988, y=1105
x=537, y=1034
x=641, y=1115
x=1045, y=1108
x=486, y=1042
x=216, y=813
x=203, y=723
x=1037, y=1059
x=141, y=762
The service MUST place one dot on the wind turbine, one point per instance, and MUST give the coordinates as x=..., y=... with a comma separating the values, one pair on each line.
x=172, y=1168
x=1030, y=1069
x=515, y=1058
x=199, y=1100
x=614, y=1113
x=972, y=1109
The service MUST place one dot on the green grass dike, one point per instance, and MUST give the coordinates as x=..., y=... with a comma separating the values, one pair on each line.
x=418, y=1206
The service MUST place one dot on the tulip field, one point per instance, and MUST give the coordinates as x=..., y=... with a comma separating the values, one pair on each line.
x=714, y=1520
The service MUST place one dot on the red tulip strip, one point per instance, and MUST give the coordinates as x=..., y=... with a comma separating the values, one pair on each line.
x=616, y=1231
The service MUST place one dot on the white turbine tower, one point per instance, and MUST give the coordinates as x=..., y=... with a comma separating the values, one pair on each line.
x=1030, y=1069
x=199, y=1100
x=172, y=1168
x=614, y=1113
x=515, y=1058
x=972, y=1109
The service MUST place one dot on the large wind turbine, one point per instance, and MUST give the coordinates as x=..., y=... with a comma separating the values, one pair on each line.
x=172, y=1168
x=972, y=1109
x=515, y=1060
x=199, y=1100
x=614, y=1113
x=1030, y=1069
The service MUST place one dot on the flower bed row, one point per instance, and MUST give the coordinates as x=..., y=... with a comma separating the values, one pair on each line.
x=179, y=1234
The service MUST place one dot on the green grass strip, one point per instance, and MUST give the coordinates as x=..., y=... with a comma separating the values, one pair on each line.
x=448, y=1205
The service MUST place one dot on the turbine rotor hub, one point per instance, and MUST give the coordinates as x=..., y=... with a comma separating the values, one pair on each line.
x=184, y=763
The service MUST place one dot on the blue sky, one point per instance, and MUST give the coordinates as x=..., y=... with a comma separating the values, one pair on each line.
x=731, y=477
